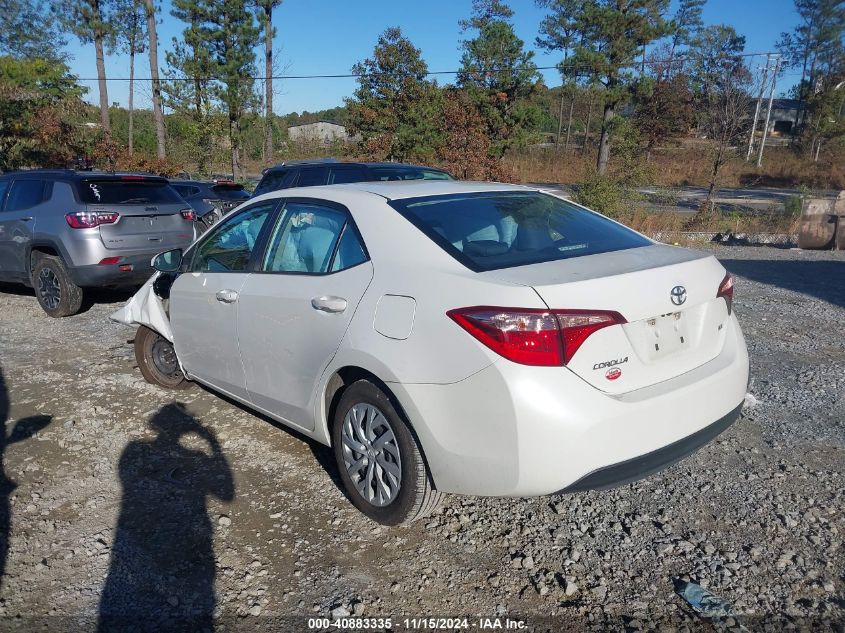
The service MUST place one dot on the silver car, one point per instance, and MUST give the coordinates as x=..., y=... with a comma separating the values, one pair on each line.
x=62, y=231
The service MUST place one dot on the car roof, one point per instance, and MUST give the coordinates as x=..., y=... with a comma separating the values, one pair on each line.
x=323, y=162
x=71, y=174
x=400, y=189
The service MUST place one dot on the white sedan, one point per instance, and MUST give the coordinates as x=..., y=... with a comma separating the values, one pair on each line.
x=452, y=337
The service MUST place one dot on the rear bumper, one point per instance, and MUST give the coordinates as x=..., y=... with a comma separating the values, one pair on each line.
x=111, y=276
x=639, y=467
x=512, y=430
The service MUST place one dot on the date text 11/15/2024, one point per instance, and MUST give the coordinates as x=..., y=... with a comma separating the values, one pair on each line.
x=416, y=624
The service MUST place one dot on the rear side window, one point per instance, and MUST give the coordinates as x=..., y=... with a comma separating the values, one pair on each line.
x=348, y=174
x=304, y=241
x=275, y=180
x=409, y=173
x=4, y=187
x=24, y=194
x=96, y=191
x=486, y=231
x=312, y=177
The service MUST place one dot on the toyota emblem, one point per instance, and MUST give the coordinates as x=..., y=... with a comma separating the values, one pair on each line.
x=678, y=295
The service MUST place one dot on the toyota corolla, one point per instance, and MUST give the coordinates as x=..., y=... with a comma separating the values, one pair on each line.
x=452, y=337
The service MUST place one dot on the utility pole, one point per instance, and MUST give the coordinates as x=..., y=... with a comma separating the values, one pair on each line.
x=560, y=118
x=768, y=112
x=757, y=109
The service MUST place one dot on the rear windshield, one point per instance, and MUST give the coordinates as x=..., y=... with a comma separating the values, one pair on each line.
x=409, y=173
x=486, y=231
x=230, y=192
x=127, y=192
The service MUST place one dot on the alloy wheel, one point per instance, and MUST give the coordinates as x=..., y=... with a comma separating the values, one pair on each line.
x=371, y=454
x=49, y=289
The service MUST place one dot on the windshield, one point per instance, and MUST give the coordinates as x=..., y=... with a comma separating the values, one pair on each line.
x=127, y=192
x=486, y=231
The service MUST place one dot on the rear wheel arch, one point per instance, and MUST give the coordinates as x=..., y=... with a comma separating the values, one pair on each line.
x=38, y=249
x=348, y=375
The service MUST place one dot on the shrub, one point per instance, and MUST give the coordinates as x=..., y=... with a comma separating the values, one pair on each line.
x=601, y=193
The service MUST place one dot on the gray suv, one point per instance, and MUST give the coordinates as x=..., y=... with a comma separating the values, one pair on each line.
x=62, y=231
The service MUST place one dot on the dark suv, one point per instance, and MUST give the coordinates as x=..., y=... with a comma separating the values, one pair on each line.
x=211, y=200
x=62, y=231
x=327, y=172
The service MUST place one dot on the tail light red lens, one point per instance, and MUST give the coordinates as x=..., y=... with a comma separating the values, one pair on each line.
x=531, y=336
x=108, y=261
x=85, y=220
x=189, y=214
x=726, y=291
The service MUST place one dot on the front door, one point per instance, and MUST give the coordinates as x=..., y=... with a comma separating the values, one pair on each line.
x=204, y=300
x=294, y=312
x=17, y=226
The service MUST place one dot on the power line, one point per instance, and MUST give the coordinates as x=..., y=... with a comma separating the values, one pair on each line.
x=488, y=71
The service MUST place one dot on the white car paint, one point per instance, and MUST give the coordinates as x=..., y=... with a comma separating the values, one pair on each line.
x=487, y=425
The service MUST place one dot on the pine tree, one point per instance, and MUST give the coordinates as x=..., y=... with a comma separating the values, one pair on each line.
x=91, y=21
x=613, y=34
x=233, y=36
x=395, y=107
x=131, y=34
x=30, y=30
x=500, y=75
x=265, y=17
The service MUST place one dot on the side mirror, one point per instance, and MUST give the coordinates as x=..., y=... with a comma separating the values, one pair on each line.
x=168, y=262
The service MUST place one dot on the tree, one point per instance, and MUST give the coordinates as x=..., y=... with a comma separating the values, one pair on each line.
x=158, y=115
x=30, y=30
x=819, y=34
x=395, y=107
x=266, y=18
x=91, y=21
x=233, y=35
x=500, y=75
x=130, y=31
x=40, y=112
x=686, y=23
x=664, y=110
x=613, y=32
x=558, y=32
x=715, y=58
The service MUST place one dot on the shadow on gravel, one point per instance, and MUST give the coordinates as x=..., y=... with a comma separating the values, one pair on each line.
x=24, y=429
x=821, y=279
x=162, y=570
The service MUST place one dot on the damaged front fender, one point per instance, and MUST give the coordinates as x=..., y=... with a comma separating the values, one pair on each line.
x=148, y=306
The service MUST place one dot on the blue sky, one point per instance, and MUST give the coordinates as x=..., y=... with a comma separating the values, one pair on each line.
x=328, y=36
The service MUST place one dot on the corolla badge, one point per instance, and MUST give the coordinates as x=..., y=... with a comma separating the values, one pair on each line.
x=678, y=294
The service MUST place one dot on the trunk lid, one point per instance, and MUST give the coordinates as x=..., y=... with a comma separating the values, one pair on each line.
x=149, y=209
x=662, y=338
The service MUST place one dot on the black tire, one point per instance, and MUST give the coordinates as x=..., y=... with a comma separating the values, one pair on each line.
x=416, y=497
x=150, y=347
x=55, y=291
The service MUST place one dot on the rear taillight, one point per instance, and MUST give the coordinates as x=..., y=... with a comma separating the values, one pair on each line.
x=726, y=291
x=189, y=214
x=86, y=220
x=531, y=336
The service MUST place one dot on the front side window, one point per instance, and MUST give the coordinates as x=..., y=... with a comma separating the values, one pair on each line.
x=486, y=231
x=25, y=194
x=229, y=246
x=306, y=241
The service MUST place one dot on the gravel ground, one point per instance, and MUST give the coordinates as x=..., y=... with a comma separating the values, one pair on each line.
x=144, y=509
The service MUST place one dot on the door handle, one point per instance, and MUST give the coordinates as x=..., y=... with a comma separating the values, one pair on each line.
x=329, y=304
x=27, y=219
x=227, y=296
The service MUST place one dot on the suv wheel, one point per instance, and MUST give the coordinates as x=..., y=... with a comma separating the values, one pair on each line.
x=57, y=295
x=379, y=458
x=157, y=360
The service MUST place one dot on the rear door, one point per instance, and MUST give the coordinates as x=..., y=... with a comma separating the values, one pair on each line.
x=148, y=213
x=204, y=299
x=293, y=314
x=24, y=200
